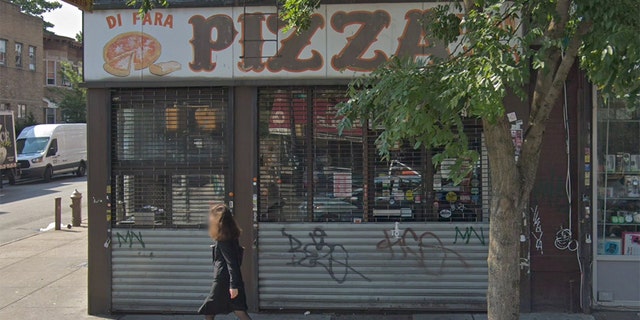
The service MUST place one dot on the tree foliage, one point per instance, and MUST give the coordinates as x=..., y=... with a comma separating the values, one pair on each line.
x=424, y=101
x=74, y=99
x=28, y=121
x=494, y=46
x=145, y=6
x=37, y=8
x=79, y=36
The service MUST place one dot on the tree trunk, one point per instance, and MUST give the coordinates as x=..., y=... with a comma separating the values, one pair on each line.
x=503, y=294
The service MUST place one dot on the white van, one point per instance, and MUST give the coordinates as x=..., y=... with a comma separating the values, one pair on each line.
x=48, y=149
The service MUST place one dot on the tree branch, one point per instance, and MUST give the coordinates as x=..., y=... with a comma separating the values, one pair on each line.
x=545, y=98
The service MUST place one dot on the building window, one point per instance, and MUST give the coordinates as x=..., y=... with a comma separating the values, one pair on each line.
x=170, y=157
x=22, y=111
x=618, y=177
x=312, y=172
x=3, y=107
x=51, y=73
x=32, y=58
x=3, y=52
x=51, y=115
x=65, y=81
x=18, y=55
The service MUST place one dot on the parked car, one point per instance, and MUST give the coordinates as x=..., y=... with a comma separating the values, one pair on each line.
x=48, y=149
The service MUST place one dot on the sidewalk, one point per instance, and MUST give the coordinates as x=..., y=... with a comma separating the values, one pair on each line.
x=45, y=277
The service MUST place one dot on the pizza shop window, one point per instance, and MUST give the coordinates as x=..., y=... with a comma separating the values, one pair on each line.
x=311, y=172
x=169, y=155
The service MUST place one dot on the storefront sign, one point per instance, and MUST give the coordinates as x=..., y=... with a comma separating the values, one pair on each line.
x=224, y=43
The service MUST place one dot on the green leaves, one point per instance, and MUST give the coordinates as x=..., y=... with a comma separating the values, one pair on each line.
x=147, y=5
x=426, y=102
x=74, y=100
x=610, y=52
x=297, y=13
x=37, y=8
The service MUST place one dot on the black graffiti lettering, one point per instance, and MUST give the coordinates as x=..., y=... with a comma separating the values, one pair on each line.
x=288, y=56
x=424, y=248
x=252, y=45
x=202, y=41
x=332, y=257
x=371, y=24
x=413, y=42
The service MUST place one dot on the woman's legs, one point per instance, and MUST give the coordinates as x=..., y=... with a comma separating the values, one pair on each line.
x=242, y=315
x=210, y=317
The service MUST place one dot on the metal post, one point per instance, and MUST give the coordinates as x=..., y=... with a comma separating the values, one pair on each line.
x=58, y=212
x=76, y=208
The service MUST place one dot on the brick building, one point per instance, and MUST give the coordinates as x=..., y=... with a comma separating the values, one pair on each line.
x=21, y=63
x=58, y=50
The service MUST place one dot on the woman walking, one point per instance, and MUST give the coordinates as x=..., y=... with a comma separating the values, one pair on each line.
x=227, y=291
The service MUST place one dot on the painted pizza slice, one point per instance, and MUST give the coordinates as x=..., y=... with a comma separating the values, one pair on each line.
x=120, y=66
x=146, y=49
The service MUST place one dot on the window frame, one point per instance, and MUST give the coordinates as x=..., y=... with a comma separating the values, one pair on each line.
x=51, y=72
x=22, y=111
x=32, y=58
x=3, y=51
x=167, y=182
x=18, y=54
x=402, y=189
x=50, y=112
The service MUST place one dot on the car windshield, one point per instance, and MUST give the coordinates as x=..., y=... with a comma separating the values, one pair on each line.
x=31, y=145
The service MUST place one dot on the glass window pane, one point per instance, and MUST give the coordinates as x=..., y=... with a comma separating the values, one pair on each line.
x=618, y=175
x=3, y=52
x=18, y=54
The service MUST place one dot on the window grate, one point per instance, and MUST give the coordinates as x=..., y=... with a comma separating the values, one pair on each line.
x=310, y=172
x=169, y=155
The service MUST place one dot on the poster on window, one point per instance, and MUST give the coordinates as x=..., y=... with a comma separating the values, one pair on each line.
x=631, y=243
x=342, y=184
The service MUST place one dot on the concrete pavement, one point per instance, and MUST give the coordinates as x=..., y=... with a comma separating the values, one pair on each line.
x=27, y=207
x=45, y=277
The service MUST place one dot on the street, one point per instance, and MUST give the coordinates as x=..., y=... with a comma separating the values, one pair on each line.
x=27, y=207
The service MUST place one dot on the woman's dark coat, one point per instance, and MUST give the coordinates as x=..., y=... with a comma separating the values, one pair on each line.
x=227, y=258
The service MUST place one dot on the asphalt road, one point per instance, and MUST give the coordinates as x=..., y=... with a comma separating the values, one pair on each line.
x=27, y=207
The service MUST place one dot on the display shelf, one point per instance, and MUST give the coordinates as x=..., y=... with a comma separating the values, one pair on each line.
x=617, y=257
x=620, y=173
x=611, y=224
x=618, y=120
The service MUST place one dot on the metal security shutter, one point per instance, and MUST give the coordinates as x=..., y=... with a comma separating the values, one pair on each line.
x=373, y=266
x=160, y=270
x=170, y=161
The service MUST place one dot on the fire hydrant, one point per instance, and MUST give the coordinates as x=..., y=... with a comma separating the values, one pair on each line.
x=76, y=208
